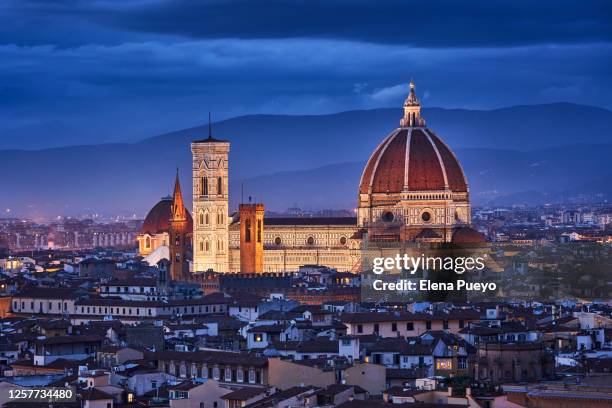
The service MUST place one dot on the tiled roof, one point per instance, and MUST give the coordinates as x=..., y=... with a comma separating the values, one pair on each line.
x=211, y=357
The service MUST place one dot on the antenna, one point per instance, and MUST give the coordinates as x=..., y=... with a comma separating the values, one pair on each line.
x=242, y=193
x=209, y=127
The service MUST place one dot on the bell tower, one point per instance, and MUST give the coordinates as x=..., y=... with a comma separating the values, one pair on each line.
x=178, y=235
x=210, y=204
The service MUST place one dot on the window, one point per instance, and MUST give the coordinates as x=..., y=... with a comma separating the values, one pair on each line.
x=258, y=230
x=393, y=327
x=445, y=324
x=247, y=231
x=410, y=326
x=376, y=328
x=388, y=216
x=216, y=373
x=342, y=240
x=206, y=219
x=219, y=185
x=461, y=324
x=310, y=241
x=201, y=219
x=359, y=328
x=204, y=186
x=153, y=384
x=428, y=325
x=426, y=216
x=277, y=241
x=444, y=364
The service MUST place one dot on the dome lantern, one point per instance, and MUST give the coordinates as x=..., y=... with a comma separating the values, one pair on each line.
x=412, y=110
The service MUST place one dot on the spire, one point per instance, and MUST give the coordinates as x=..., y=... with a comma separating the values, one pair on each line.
x=412, y=110
x=178, y=207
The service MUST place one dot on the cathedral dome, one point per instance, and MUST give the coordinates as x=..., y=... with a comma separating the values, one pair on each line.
x=412, y=159
x=158, y=219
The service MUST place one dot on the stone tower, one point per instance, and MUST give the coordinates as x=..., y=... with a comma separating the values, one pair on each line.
x=251, y=238
x=178, y=235
x=210, y=204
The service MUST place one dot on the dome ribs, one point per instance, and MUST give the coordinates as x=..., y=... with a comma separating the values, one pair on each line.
x=389, y=174
x=454, y=172
x=366, y=177
x=425, y=169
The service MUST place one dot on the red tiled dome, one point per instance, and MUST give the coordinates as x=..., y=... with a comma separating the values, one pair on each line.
x=467, y=235
x=412, y=159
x=158, y=219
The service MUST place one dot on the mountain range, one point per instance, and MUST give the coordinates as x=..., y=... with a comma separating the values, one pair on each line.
x=522, y=154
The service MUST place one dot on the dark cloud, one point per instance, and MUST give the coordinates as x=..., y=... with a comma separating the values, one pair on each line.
x=433, y=23
x=90, y=71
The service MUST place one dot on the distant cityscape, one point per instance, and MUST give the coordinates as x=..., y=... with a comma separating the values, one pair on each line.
x=520, y=224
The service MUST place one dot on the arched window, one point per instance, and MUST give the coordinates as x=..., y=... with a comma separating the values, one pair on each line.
x=207, y=219
x=219, y=185
x=207, y=246
x=204, y=186
x=201, y=219
x=201, y=245
x=148, y=242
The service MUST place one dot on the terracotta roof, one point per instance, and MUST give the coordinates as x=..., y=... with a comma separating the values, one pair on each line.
x=94, y=394
x=467, y=235
x=417, y=154
x=212, y=357
x=271, y=221
x=243, y=394
x=427, y=233
x=84, y=338
x=47, y=293
x=131, y=282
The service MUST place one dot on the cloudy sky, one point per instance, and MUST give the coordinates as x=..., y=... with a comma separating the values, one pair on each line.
x=106, y=71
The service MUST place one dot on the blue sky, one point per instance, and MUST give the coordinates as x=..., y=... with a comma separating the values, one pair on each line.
x=107, y=71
